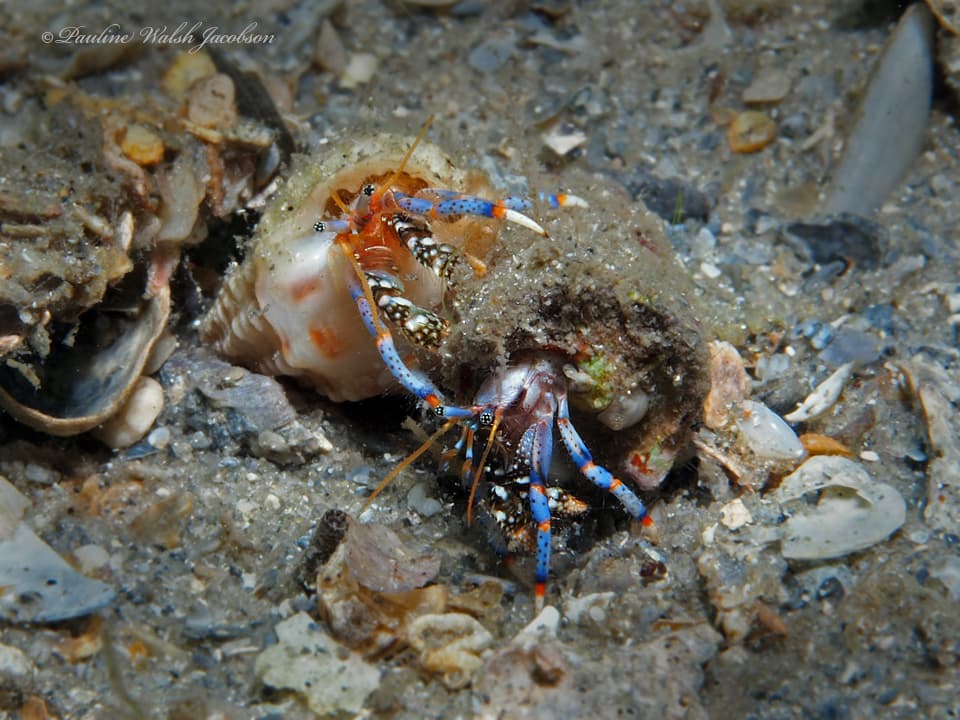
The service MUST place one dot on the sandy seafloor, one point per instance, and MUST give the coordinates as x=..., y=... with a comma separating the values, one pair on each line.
x=873, y=634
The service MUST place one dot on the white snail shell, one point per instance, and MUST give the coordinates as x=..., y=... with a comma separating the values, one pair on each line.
x=287, y=310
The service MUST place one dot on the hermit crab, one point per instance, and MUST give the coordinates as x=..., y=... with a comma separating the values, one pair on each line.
x=366, y=236
x=596, y=324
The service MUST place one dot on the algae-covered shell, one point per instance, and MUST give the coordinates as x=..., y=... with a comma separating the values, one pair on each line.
x=606, y=291
x=287, y=310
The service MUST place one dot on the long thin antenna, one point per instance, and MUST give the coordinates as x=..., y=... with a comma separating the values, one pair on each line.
x=491, y=439
x=406, y=462
x=406, y=158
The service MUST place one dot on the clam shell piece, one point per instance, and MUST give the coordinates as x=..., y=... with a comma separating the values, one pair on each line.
x=79, y=387
x=853, y=511
x=287, y=311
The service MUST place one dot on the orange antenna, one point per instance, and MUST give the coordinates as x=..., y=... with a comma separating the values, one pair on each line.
x=362, y=279
x=340, y=203
x=406, y=462
x=406, y=158
x=497, y=415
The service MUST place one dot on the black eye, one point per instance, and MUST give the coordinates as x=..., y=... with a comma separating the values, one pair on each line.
x=486, y=418
x=438, y=411
x=319, y=227
x=368, y=190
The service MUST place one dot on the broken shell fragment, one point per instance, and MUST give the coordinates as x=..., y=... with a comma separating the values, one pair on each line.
x=892, y=119
x=853, y=512
x=823, y=397
x=309, y=662
x=37, y=584
x=769, y=87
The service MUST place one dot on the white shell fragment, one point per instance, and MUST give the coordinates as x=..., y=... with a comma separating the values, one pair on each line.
x=853, y=512
x=562, y=139
x=766, y=434
x=823, y=397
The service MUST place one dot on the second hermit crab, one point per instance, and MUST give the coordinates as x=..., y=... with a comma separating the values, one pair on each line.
x=593, y=332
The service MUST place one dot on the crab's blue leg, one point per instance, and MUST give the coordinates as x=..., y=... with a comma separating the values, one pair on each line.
x=514, y=202
x=415, y=383
x=553, y=200
x=597, y=474
x=467, y=470
x=541, y=452
x=466, y=205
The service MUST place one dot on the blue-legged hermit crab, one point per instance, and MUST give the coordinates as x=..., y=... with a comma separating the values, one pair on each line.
x=596, y=324
x=366, y=237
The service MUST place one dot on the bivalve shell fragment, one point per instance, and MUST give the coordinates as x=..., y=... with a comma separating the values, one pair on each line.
x=853, y=511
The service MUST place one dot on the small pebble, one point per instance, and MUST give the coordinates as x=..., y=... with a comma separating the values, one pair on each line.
x=361, y=67
x=769, y=87
x=199, y=441
x=15, y=668
x=91, y=558
x=851, y=345
x=211, y=102
x=159, y=437
x=490, y=55
x=141, y=145
x=186, y=69
x=751, y=131
x=735, y=514
x=329, y=52
x=703, y=243
x=710, y=270
x=418, y=499
x=869, y=456
x=135, y=418
x=770, y=367
x=40, y=474
x=919, y=537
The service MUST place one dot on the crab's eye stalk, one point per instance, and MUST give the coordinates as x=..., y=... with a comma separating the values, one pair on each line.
x=486, y=418
x=369, y=190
